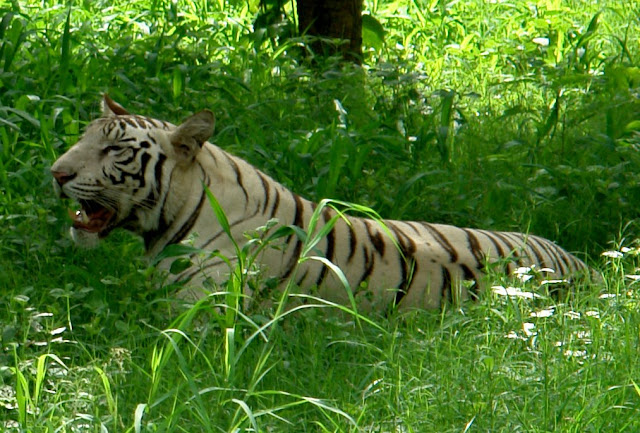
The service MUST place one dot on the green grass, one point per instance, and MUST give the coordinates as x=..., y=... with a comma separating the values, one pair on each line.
x=502, y=115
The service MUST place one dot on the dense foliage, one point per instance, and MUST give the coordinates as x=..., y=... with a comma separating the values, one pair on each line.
x=502, y=115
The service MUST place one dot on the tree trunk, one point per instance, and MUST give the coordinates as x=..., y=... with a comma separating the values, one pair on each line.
x=336, y=19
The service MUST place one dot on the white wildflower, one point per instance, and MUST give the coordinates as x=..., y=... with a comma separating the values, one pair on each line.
x=59, y=330
x=547, y=312
x=522, y=270
x=585, y=336
x=512, y=335
x=515, y=292
x=572, y=315
x=543, y=42
x=529, y=329
x=575, y=353
x=543, y=282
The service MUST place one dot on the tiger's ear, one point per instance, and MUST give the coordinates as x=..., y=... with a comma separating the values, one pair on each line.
x=188, y=138
x=112, y=108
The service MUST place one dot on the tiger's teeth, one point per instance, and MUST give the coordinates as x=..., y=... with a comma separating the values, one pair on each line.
x=81, y=215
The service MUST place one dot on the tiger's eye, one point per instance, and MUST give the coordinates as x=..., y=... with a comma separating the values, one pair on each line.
x=111, y=148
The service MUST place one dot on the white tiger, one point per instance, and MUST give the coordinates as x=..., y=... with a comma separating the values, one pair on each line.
x=149, y=176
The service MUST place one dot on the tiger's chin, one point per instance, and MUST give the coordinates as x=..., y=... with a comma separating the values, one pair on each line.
x=83, y=238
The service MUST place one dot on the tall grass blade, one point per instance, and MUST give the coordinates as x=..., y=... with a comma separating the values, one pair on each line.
x=24, y=115
x=137, y=417
x=200, y=407
x=249, y=415
x=65, y=48
x=13, y=39
x=444, y=128
x=229, y=353
x=106, y=385
x=220, y=214
x=41, y=372
x=23, y=399
x=4, y=24
x=338, y=273
x=177, y=83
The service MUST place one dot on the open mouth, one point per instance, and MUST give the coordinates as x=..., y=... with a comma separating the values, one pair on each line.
x=92, y=217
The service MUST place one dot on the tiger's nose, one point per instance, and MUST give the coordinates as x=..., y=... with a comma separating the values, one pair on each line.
x=63, y=177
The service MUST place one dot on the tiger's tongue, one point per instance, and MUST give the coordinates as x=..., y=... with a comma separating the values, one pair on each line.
x=92, y=222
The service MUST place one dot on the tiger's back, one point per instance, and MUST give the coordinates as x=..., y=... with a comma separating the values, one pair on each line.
x=149, y=176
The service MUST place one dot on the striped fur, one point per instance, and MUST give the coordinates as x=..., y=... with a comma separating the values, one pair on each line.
x=147, y=176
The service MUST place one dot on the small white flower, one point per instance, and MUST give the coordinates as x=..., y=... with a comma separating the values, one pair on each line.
x=515, y=292
x=572, y=315
x=522, y=270
x=547, y=312
x=593, y=313
x=584, y=335
x=543, y=282
x=575, y=353
x=607, y=295
x=543, y=42
x=58, y=330
x=613, y=254
x=512, y=335
x=339, y=108
x=144, y=28
x=523, y=273
x=529, y=329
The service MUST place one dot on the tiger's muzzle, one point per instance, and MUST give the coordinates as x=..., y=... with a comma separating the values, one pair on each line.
x=91, y=217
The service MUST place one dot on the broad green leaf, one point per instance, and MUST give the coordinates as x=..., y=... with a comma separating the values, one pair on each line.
x=176, y=250
x=372, y=32
x=180, y=265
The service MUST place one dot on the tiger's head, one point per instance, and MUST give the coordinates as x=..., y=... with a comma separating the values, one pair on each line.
x=120, y=169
